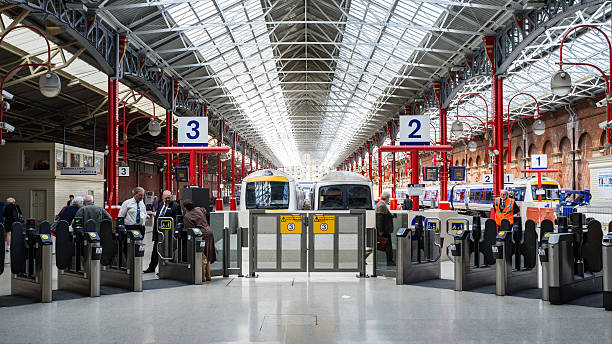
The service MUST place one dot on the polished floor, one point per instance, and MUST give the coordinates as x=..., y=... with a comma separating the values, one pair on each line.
x=298, y=308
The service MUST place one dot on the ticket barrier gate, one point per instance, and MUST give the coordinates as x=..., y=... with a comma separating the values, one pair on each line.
x=574, y=259
x=31, y=269
x=424, y=264
x=607, y=266
x=466, y=249
x=515, y=253
x=78, y=257
x=122, y=254
x=546, y=228
x=180, y=251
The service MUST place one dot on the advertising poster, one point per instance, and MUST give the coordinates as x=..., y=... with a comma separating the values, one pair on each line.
x=605, y=184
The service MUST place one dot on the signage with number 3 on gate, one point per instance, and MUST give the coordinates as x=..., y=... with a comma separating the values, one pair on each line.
x=192, y=131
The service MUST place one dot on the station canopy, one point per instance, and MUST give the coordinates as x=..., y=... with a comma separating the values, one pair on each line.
x=319, y=78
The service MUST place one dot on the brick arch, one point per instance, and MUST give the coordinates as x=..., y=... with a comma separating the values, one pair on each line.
x=583, y=175
x=602, y=138
x=518, y=156
x=463, y=162
x=547, y=148
x=532, y=150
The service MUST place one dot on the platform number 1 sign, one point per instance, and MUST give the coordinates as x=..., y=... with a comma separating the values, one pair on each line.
x=539, y=161
x=414, y=130
x=192, y=131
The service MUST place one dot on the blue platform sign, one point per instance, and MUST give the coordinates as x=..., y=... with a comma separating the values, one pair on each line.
x=181, y=174
x=430, y=174
x=457, y=174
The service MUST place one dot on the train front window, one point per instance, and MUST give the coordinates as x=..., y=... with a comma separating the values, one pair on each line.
x=330, y=197
x=267, y=195
x=359, y=197
x=550, y=192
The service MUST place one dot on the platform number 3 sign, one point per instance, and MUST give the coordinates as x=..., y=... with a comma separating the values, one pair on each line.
x=192, y=131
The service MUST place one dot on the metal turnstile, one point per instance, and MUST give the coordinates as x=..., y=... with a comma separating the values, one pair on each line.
x=31, y=269
x=419, y=251
x=78, y=258
x=122, y=254
x=607, y=271
x=515, y=253
x=180, y=251
x=575, y=260
x=546, y=228
x=467, y=248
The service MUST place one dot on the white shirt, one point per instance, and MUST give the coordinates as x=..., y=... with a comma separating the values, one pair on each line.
x=129, y=211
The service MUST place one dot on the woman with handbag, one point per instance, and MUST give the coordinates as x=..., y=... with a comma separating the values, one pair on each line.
x=384, y=226
x=195, y=217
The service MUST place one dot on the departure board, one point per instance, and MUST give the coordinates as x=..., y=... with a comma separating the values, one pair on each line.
x=430, y=174
x=457, y=173
x=181, y=174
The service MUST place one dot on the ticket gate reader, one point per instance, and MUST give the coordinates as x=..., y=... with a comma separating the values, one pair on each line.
x=515, y=253
x=122, y=255
x=466, y=249
x=546, y=228
x=424, y=264
x=31, y=252
x=607, y=270
x=575, y=260
x=180, y=251
x=78, y=257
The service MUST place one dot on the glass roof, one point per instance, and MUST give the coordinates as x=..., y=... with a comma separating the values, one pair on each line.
x=253, y=85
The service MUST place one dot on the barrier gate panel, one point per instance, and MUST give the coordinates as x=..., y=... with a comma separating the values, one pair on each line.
x=337, y=242
x=228, y=243
x=217, y=226
x=279, y=240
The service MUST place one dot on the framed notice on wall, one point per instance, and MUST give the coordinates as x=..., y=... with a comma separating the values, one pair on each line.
x=605, y=184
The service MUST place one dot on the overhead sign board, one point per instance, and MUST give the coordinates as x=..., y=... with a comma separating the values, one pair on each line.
x=457, y=174
x=430, y=174
x=415, y=189
x=192, y=131
x=487, y=178
x=414, y=130
x=124, y=171
x=508, y=178
x=539, y=161
x=79, y=171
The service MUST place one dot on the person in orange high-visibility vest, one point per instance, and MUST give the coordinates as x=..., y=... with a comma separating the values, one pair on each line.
x=505, y=208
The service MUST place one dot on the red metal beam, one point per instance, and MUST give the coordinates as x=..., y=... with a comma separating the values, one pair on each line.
x=402, y=148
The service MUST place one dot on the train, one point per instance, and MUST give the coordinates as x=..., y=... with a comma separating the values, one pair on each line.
x=342, y=190
x=268, y=189
x=477, y=198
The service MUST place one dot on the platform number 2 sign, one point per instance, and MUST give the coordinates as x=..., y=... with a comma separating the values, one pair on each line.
x=193, y=131
x=414, y=130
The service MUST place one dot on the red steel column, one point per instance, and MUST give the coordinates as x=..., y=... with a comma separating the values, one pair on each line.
x=112, y=141
x=498, y=113
x=219, y=203
x=444, y=170
x=369, y=162
x=233, y=199
x=393, y=181
x=193, y=159
x=243, y=153
x=380, y=181
x=169, y=140
x=414, y=176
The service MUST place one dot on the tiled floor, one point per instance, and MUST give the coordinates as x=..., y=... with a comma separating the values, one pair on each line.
x=299, y=308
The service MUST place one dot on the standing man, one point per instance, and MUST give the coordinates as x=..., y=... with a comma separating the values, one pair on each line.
x=384, y=225
x=90, y=211
x=505, y=208
x=134, y=211
x=166, y=208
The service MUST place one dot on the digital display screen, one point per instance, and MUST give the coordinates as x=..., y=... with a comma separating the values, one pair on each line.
x=457, y=226
x=181, y=174
x=430, y=174
x=457, y=173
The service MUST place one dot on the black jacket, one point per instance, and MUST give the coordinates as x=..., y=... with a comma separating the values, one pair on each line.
x=173, y=210
x=12, y=213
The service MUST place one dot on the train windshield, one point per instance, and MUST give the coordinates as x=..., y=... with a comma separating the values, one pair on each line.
x=267, y=195
x=339, y=197
x=550, y=192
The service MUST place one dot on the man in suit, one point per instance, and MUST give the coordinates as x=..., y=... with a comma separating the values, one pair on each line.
x=166, y=208
x=384, y=224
